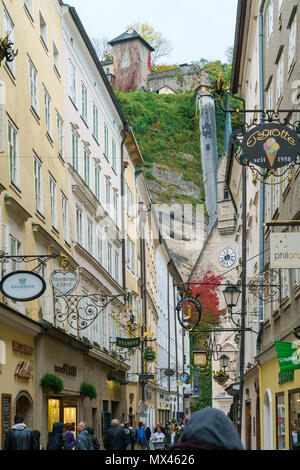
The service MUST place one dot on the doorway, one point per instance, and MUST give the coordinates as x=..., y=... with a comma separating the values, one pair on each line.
x=268, y=421
x=115, y=405
x=63, y=412
x=24, y=405
x=248, y=426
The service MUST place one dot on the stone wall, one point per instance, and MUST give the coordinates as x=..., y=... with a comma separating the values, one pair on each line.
x=183, y=78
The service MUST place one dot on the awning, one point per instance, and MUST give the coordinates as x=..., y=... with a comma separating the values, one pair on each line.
x=117, y=379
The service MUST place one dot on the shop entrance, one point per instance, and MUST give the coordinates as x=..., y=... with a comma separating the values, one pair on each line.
x=61, y=410
x=115, y=409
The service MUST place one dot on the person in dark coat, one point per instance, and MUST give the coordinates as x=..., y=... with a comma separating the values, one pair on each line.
x=84, y=441
x=55, y=441
x=129, y=437
x=148, y=435
x=19, y=437
x=93, y=437
x=115, y=438
x=68, y=437
x=35, y=437
x=209, y=429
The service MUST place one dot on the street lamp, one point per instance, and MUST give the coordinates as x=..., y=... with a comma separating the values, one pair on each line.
x=224, y=360
x=232, y=295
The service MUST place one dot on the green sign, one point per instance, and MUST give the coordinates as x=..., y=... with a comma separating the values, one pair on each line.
x=286, y=376
x=149, y=355
x=128, y=342
x=288, y=356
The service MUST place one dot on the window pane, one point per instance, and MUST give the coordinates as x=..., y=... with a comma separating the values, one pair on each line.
x=295, y=420
x=280, y=425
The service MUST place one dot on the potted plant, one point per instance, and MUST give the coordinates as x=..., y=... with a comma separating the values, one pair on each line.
x=51, y=383
x=87, y=390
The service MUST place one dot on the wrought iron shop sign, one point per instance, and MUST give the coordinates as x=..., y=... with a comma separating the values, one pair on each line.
x=221, y=377
x=128, y=342
x=186, y=319
x=22, y=286
x=64, y=281
x=271, y=146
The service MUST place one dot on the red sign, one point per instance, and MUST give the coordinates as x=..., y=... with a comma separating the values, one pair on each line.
x=23, y=372
x=22, y=348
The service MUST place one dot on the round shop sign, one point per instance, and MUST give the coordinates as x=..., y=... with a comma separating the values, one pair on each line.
x=271, y=146
x=64, y=281
x=22, y=286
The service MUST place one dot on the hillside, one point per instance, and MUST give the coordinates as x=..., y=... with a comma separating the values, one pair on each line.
x=167, y=131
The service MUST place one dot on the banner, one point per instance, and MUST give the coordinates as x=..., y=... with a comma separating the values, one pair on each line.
x=128, y=342
x=288, y=355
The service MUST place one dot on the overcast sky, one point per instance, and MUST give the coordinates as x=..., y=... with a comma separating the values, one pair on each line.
x=195, y=28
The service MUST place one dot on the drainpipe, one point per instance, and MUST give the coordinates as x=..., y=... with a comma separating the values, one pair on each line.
x=126, y=130
x=262, y=186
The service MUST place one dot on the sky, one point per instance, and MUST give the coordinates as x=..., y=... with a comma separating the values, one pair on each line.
x=195, y=28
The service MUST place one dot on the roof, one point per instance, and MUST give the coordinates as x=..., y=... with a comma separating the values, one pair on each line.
x=130, y=36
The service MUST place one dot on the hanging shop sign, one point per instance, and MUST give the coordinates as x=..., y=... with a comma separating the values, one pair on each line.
x=145, y=377
x=185, y=378
x=22, y=286
x=64, y=281
x=288, y=355
x=187, y=319
x=271, y=146
x=200, y=358
x=221, y=377
x=149, y=355
x=128, y=343
x=128, y=320
x=285, y=250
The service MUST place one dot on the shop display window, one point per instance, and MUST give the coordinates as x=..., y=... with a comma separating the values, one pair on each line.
x=294, y=409
x=280, y=421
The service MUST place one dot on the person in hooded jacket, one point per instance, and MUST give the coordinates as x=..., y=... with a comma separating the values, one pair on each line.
x=93, y=437
x=209, y=429
x=55, y=441
x=84, y=441
x=19, y=437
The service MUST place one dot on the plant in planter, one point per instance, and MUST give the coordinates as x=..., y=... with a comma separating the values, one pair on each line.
x=51, y=383
x=88, y=390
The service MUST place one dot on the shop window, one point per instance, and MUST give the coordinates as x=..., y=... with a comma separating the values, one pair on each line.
x=294, y=410
x=53, y=413
x=280, y=422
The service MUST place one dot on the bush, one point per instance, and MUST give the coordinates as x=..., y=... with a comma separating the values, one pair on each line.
x=88, y=390
x=52, y=382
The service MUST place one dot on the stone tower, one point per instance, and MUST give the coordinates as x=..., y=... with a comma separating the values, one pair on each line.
x=131, y=61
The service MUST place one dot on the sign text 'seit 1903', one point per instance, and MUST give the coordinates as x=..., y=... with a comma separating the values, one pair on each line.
x=271, y=146
x=22, y=286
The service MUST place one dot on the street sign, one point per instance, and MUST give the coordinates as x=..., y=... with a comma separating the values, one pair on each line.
x=143, y=377
x=271, y=146
x=22, y=286
x=285, y=250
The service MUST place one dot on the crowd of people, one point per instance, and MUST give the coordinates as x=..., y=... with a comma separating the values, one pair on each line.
x=209, y=429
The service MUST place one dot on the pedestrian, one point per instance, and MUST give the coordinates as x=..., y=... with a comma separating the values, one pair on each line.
x=114, y=438
x=209, y=429
x=68, y=437
x=19, y=437
x=148, y=435
x=172, y=437
x=140, y=437
x=132, y=442
x=129, y=436
x=83, y=441
x=94, y=438
x=35, y=437
x=55, y=441
x=158, y=439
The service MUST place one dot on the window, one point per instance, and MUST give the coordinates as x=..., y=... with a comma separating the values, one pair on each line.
x=280, y=2
x=13, y=251
x=86, y=166
x=104, y=329
x=116, y=204
x=43, y=31
x=29, y=7
x=269, y=21
x=276, y=198
x=132, y=258
x=79, y=226
x=64, y=206
x=279, y=87
x=106, y=150
x=47, y=111
x=33, y=86
x=125, y=62
x=292, y=44
x=38, y=184
x=114, y=155
x=294, y=412
x=8, y=26
x=100, y=250
x=59, y=129
x=296, y=277
x=84, y=107
x=90, y=236
x=109, y=258
x=72, y=84
x=95, y=122
x=285, y=283
x=117, y=267
x=75, y=151
x=12, y=153
x=226, y=192
x=280, y=421
x=107, y=195
x=55, y=57
x=269, y=97
x=97, y=182
x=128, y=252
x=53, y=202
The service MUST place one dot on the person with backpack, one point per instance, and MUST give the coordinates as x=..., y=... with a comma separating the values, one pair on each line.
x=114, y=437
x=140, y=437
x=94, y=438
x=19, y=437
x=83, y=441
x=55, y=441
x=129, y=436
x=148, y=435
